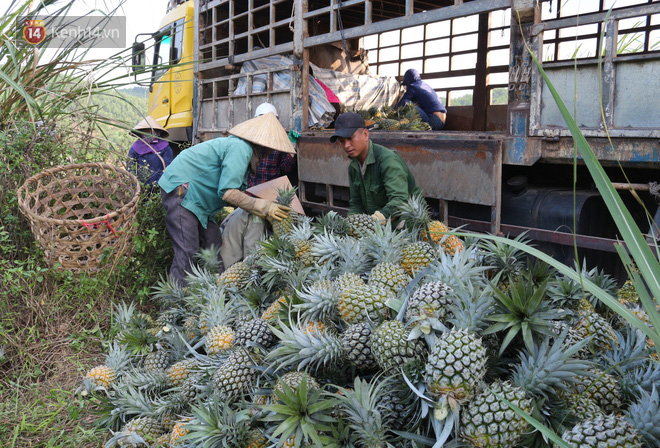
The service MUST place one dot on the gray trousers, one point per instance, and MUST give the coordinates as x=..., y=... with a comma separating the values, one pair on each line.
x=241, y=233
x=186, y=233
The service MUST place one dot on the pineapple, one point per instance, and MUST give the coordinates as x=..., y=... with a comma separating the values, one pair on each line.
x=256, y=331
x=257, y=439
x=488, y=422
x=388, y=124
x=360, y=224
x=416, y=256
x=149, y=428
x=590, y=323
x=384, y=247
x=608, y=431
x=271, y=313
x=389, y=276
x=218, y=340
x=180, y=429
x=236, y=276
x=438, y=232
x=178, y=372
x=191, y=386
x=428, y=306
x=106, y=375
x=285, y=197
x=347, y=280
x=356, y=341
x=361, y=408
x=300, y=236
x=236, y=374
x=456, y=366
x=417, y=216
x=157, y=361
x=362, y=303
x=391, y=347
x=603, y=389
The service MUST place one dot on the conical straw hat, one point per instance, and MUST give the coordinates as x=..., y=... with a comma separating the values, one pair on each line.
x=150, y=125
x=264, y=130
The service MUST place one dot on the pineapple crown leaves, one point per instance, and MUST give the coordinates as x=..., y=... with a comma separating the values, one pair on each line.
x=333, y=223
x=168, y=292
x=131, y=402
x=318, y=301
x=416, y=213
x=216, y=309
x=144, y=381
x=218, y=424
x=564, y=292
x=138, y=340
x=351, y=256
x=630, y=352
x=470, y=307
x=209, y=258
x=302, y=229
x=200, y=279
x=458, y=269
x=645, y=416
x=128, y=438
x=285, y=195
x=550, y=367
x=301, y=348
x=644, y=377
x=119, y=356
x=360, y=404
x=326, y=247
x=504, y=257
x=384, y=244
x=523, y=309
x=302, y=413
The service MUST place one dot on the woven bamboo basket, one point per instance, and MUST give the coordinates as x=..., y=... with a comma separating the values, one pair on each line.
x=81, y=215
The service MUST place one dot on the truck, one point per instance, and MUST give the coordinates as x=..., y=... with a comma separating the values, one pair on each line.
x=505, y=162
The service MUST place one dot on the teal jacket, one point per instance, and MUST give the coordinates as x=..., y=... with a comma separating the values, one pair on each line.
x=210, y=169
x=386, y=185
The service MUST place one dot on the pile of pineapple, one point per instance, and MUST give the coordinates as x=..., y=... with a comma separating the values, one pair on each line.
x=343, y=332
x=386, y=118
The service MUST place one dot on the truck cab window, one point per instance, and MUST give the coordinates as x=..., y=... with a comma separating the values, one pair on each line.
x=162, y=52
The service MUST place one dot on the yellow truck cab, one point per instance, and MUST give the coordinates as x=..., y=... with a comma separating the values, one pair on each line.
x=171, y=86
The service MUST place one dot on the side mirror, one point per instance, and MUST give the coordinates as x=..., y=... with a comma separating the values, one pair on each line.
x=137, y=55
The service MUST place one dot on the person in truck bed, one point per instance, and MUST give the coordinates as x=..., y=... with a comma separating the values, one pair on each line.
x=241, y=230
x=379, y=179
x=206, y=177
x=428, y=104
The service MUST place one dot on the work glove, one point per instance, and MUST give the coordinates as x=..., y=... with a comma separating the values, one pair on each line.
x=378, y=216
x=262, y=208
x=270, y=210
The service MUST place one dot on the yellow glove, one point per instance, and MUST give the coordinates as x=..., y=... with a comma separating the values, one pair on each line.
x=378, y=216
x=270, y=210
x=262, y=208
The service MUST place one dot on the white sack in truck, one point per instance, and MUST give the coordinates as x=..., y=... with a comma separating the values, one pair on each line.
x=320, y=111
x=360, y=91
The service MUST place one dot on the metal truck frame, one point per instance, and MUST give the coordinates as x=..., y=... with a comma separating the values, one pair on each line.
x=499, y=168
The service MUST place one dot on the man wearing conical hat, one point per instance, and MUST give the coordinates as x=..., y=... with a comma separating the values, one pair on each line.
x=208, y=176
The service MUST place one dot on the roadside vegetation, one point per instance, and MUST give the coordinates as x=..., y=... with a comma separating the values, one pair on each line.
x=52, y=321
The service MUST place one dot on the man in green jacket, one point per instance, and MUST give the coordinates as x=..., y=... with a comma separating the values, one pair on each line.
x=206, y=177
x=380, y=180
